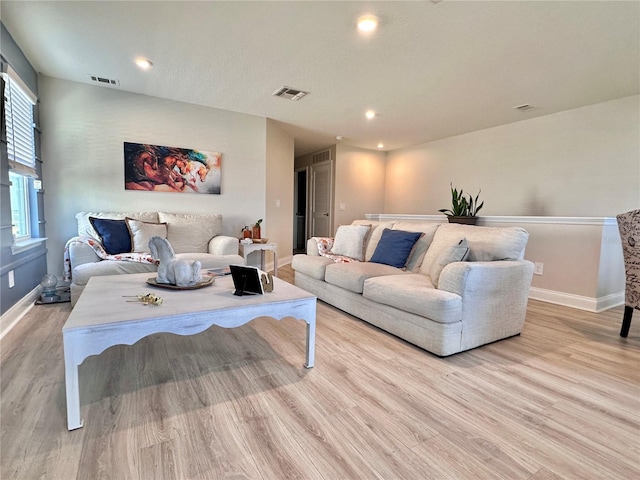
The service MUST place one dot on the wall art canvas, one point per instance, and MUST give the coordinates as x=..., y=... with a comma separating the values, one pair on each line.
x=170, y=169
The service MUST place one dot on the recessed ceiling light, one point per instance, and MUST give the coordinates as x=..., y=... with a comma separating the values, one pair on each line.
x=369, y=114
x=367, y=23
x=380, y=145
x=144, y=63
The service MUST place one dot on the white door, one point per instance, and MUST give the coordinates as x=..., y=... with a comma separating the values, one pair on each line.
x=321, y=200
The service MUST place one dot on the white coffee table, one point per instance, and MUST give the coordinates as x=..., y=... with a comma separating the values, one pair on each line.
x=102, y=317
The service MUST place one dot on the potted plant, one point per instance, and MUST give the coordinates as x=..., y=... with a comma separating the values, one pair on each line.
x=463, y=209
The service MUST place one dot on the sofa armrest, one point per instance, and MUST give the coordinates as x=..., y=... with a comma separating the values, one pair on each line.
x=312, y=247
x=494, y=297
x=487, y=278
x=80, y=252
x=223, y=245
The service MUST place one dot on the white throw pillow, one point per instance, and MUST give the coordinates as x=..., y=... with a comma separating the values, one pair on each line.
x=455, y=253
x=350, y=241
x=141, y=233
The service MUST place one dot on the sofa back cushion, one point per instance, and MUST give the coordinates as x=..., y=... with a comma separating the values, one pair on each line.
x=85, y=229
x=485, y=243
x=422, y=245
x=374, y=235
x=191, y=232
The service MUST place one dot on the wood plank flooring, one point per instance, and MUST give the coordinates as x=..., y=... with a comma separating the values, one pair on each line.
x=561, y=401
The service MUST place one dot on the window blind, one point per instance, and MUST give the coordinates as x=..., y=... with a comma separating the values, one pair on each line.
x=18, y=110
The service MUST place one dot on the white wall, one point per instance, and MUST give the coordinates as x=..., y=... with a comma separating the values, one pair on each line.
x=84, y=128
x=582, y=162
x=360, y=183
x=574, y=170
x=279, y=199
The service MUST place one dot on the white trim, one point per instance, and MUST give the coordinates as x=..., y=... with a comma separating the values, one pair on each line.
x=599, y=221
x=11, y=317
x=23, y=246
x=580, y=302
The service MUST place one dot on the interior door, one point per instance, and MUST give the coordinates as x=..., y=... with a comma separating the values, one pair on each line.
x=321, y=200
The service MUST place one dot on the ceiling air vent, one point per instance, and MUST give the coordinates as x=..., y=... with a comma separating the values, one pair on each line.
x=524, y=107
x=320, y=157
x=104, y=80
x=293, y=94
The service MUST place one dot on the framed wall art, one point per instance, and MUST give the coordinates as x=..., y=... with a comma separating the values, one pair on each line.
x=170, y=169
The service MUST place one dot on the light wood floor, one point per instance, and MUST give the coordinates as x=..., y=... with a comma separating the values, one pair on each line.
x=561, y=401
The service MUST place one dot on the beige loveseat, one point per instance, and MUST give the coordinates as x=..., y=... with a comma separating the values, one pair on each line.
x=192, y=236
x=440, y=305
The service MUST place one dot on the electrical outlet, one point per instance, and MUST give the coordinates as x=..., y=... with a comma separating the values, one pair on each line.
x=12, y=280
x=278, y=203
x=537, y=269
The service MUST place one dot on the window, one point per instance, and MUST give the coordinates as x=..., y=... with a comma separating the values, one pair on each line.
x=18, y=111
x=20, y=214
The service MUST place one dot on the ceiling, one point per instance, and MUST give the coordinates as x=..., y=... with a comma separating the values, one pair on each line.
x=433, y=69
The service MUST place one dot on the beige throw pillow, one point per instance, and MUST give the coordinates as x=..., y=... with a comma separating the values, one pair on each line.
x=141, y=233
x=350, y=241
x=454, y=253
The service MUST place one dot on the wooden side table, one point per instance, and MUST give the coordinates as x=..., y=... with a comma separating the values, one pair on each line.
x=245, y=250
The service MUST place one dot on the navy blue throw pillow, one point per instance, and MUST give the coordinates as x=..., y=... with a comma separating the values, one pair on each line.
x=114, y=234
x=395, y=247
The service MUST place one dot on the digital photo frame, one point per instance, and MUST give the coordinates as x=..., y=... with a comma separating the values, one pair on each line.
x=246, y=280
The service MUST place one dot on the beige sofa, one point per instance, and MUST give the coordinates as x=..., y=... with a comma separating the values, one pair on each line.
x=192, y=236
x=439, y=306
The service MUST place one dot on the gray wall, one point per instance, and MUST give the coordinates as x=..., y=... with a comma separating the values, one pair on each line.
x=28, y=266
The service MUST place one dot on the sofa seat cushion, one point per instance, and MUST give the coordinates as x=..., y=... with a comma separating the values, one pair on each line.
x=414, y=293
x=209, y=260
x=82, y=273
x=351, y=276
x=311, y=265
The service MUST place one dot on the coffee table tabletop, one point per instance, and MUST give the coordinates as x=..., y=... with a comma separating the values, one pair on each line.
x=108, y=314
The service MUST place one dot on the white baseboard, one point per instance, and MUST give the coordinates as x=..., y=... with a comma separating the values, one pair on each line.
x=11, y=317
x=580, y=302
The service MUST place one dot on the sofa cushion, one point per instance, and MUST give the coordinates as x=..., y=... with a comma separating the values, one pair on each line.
x=485, y=243
x=394, y=247
x=422, y=245
x=191, y=233
x=351, y=276
x=141, y=232
x=374, y=235
x=82, y=273
x=114, y=234
x=415, y=294
x=311, y=265
x=455, y=253
x=85, y=229
x=208, y=260
x=350, y=241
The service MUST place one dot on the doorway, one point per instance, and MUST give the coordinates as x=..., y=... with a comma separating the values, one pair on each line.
x=321, y=199
x=300, y=218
